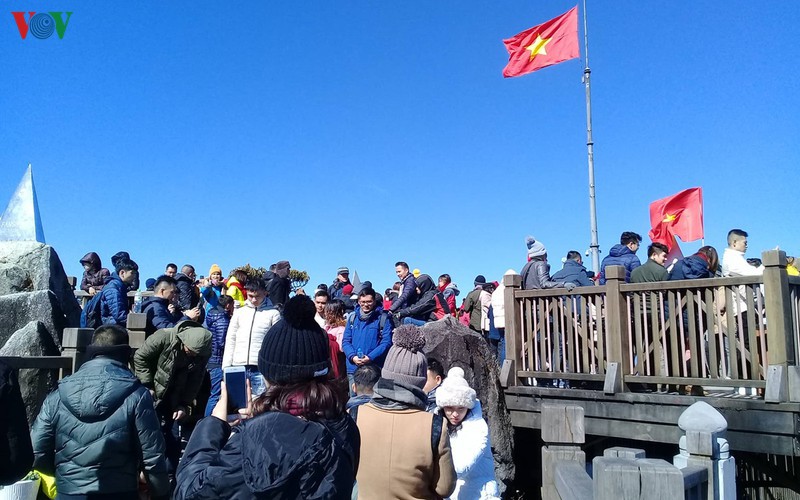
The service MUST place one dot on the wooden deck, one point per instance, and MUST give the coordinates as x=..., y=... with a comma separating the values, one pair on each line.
x=753, y=425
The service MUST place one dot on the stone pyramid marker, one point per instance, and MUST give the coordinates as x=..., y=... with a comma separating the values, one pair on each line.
x=21, y=220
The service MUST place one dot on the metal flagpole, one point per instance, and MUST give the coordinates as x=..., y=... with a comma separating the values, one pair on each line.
x=595, y=246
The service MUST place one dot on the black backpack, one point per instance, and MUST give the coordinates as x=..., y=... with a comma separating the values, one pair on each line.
x=90, y=316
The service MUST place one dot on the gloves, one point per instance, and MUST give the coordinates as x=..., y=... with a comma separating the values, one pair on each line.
x=569, y=286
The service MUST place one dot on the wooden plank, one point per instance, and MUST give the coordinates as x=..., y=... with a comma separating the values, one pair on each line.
x=562, y=424
x=615, y=479
x=672, y=334
x=602, y=333
x=514, y=332
x=532, y=333
x=752, y=332
x=570, y=337
x=695, y=347
x=567, y=375
x=637, y=328
x=730, y=328
x=690, y=284
x=712, y=323
x=572, y=481
x=587, y=344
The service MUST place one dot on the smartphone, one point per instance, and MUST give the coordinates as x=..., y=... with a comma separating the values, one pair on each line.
x=235, y=377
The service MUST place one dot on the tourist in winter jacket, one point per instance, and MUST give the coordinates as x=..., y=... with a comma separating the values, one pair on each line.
x=573, y=271
x=406, y=451
x=120, y=257
x=408, y=293
x=114, y=296
x=364, y=341
x=16, y=453
x=188, y=293
x=91, y=429
x=469, y=438
x=299, y=442
x=172, y=364
x=335, y=291
x=450, y=291
x=212, y=287
x=158, y=309
x=477, y=303
x=423, y=309
x=536, y=273
x=249, y=325
x=623, y=254
x=236, y=289
x=218, y=320
x=94, y=274
x=279, y=286
x=703, y=264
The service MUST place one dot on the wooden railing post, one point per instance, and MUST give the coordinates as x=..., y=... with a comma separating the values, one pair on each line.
x=75, y=341
x=778, y=305
x=513, y=316
x=617, y=332
x=137, y=323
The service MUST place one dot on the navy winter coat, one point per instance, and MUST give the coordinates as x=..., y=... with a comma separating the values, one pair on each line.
x=114, y=302
x=217, y=322
x=365, y=334
x=690, y=268
x=620, y=255
x=408, y=294
x=158, y=315
x=273, y=455
x=91, y=430
x=187, y=296
x=423, y=308
x=572, y=272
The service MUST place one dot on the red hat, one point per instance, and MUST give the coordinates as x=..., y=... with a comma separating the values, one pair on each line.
x=347, y=289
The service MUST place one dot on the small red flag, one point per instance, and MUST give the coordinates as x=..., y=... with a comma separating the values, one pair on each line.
x=679, y=215
x=544, y=45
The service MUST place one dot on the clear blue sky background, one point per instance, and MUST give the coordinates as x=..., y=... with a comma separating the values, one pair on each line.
x=360, y=133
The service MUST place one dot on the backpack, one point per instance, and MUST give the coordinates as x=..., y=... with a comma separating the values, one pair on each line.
x=436, y=429
x=90, y=316
x=352, y=320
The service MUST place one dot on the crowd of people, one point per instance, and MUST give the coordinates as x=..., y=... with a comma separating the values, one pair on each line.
x=338, y=387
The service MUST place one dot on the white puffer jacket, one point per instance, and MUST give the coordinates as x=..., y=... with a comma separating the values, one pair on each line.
x=472, y=458
x=246, y=332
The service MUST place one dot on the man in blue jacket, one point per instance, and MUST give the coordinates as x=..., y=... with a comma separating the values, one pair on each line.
x=157, y=308
x=114, y=296
x=573, y=271
x=408, y=292
x=367, y=335
x=99, y=428
x=623, y=254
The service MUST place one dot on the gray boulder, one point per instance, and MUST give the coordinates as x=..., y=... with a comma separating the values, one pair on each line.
x=19, y=309
x=453, y=344
x=27, y=266
x=33, y=340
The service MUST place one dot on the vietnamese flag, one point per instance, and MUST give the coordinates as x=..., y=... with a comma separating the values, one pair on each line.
x=544, y=45
x=677, y=215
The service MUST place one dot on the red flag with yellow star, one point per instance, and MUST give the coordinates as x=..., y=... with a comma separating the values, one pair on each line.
x=677, y=215
x=549, y=43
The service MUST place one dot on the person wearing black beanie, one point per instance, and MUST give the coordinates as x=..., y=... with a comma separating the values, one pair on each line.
x=299, y=443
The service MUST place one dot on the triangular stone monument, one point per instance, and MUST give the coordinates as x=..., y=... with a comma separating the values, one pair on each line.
x=21, y=220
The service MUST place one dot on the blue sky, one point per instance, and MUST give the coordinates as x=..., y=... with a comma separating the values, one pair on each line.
x=362, y=133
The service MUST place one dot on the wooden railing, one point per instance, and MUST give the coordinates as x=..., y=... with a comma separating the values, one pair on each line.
x=734, y=332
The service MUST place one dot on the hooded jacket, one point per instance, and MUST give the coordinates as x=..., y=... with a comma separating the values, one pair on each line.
x=114, y=302
x=91, y=429
x=425, y=305
x=273, y=455
x=248, y=327
x=619, y=255
x=162, y=364
x=95, y=278
x=217, y=322
x=450, y=292
x=16, y=454
x=188, y=294
x=691, y=268
x=472, y=458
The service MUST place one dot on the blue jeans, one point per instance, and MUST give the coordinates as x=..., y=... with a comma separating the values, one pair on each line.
x=213, y=398
x=412, y=321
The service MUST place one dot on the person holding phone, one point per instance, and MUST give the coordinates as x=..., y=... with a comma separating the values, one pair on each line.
x=295, y=440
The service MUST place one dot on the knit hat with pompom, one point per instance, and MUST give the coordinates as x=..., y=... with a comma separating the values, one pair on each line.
x=455, y=391
x=295, y=349
x=406, y=363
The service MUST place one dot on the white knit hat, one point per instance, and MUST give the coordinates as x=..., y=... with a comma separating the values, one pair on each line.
x=455, y=391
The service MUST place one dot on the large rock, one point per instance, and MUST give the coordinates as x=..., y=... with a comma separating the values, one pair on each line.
x=19, y=309
x=453, y=344
x=33, y=340
x=27, y=266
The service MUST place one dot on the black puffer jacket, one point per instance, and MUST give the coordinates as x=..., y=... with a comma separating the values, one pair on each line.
x=91, y=429
x=95, y=278
x=16, y=454
x=423, y=308
x=274, y=455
